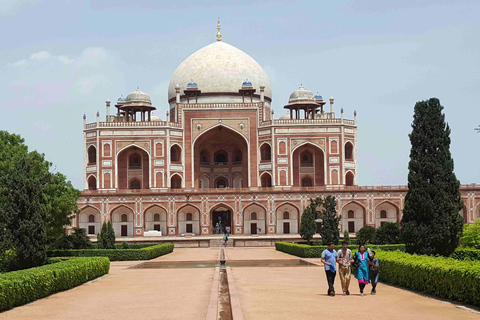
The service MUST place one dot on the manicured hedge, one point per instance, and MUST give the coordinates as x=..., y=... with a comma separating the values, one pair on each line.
x=146, y=253
x=443, y=277
x=306, y=251
x=130, y=246
x=23, y=286
x=466, y=254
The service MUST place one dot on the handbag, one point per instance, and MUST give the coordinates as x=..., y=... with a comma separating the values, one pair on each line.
x=355, y=263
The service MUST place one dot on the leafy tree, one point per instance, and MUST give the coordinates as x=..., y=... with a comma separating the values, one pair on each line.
x=366, y=235
x=61, y=205
x=125, y=245
x=346, y=237
x=471, y=235
x=431, y=223
x=330, y=220
x=61, y=197
x=308, y=226
x=23, y=213
x=389, y=233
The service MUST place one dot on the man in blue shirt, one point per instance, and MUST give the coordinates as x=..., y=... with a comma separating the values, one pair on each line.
x=329, y=259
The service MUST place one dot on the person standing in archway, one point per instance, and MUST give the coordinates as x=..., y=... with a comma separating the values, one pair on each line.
x=227, y=229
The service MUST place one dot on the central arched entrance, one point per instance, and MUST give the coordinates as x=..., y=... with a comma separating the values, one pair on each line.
x=221, y=219
x=220, y=159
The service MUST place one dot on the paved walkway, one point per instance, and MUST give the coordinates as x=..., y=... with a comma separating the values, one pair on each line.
x=263, y=292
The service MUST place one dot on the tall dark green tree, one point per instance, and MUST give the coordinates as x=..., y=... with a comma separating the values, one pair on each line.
x=330, y=232
x=308, y=226
x=23, y=214
x=106, y=237
x=431, y=223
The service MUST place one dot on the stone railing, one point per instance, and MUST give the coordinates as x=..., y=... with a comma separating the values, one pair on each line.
x=307, y=121
x=132, y=124
x=220, y=105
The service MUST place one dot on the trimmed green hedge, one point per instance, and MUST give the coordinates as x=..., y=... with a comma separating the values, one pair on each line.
x=20, y=287
x=466, y=254
x=130, y=246
x=146, y=253
x=443, y=277
x=306, y=251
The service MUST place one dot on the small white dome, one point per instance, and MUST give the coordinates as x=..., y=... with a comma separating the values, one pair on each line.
x=138, y=96
x=155, y=118
x=301, y=95
x=286, y=116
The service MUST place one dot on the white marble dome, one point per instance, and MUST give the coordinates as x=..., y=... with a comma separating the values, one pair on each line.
x=219, y=68
x=286, y=116
x=301, y=95
x=138, y=96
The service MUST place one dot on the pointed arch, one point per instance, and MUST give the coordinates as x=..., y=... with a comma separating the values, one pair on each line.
x=254, y=219
x=318, y=165
x=349, y=178
x=379, y=220
x=92, y=154
x=176, y=181
x=266, y=180
x=348, y=150
x=359, y=219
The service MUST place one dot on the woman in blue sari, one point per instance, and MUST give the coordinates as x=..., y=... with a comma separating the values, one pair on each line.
x=361, y=273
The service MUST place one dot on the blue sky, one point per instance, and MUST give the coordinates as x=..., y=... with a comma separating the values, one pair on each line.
x=61, y=59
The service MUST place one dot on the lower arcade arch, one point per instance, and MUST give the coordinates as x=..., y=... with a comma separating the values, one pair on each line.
x=90, y=219
x=221, y=217
x=287, y=219
x=156, y=219
x=122, y=220
x=386, y=212
x=254, y=217
x=188, y=220
x=353, y=217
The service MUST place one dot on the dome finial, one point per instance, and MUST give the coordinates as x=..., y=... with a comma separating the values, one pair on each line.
x=219, y=35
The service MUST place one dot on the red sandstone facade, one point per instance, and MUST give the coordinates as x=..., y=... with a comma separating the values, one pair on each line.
x=229, y=163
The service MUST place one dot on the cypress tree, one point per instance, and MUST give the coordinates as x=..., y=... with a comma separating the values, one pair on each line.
x=308, y=225
x=110, y=240
x=330, y=232
x=431, y=223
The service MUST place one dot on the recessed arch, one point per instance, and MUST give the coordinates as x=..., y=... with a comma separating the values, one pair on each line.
x=258, y=225
x=348, y=148
x=133, y=161
x=92, y=182
x=265, y=152
x=121, y=227
x=266, y=180
x=83, y=219
x=176, y=181
x=392, y=212
x=288, y=217
x=227, y=148
x=352, y=225
x=175, y=153
x=92, y=154
x=317, y=169
x=349, y=178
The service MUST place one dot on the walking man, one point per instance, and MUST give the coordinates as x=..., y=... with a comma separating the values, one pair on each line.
x=225, y=239
x=329, y=259
x=344, y=258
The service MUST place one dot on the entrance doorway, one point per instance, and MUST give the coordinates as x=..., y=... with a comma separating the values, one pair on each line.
x=124, y=231
x=253, y=228
x=221, y=218
x=286, y=227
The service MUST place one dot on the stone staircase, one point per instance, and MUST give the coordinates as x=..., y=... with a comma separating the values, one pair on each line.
x=218, y=242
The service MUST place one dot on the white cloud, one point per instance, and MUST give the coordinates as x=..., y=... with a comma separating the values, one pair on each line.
x=44, y=79
x=85, y=85
x=41, y=55
x=10, y=7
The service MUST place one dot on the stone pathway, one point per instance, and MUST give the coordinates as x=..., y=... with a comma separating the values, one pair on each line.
x=262, y=293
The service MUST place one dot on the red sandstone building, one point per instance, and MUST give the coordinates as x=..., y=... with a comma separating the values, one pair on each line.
x=221, y=158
